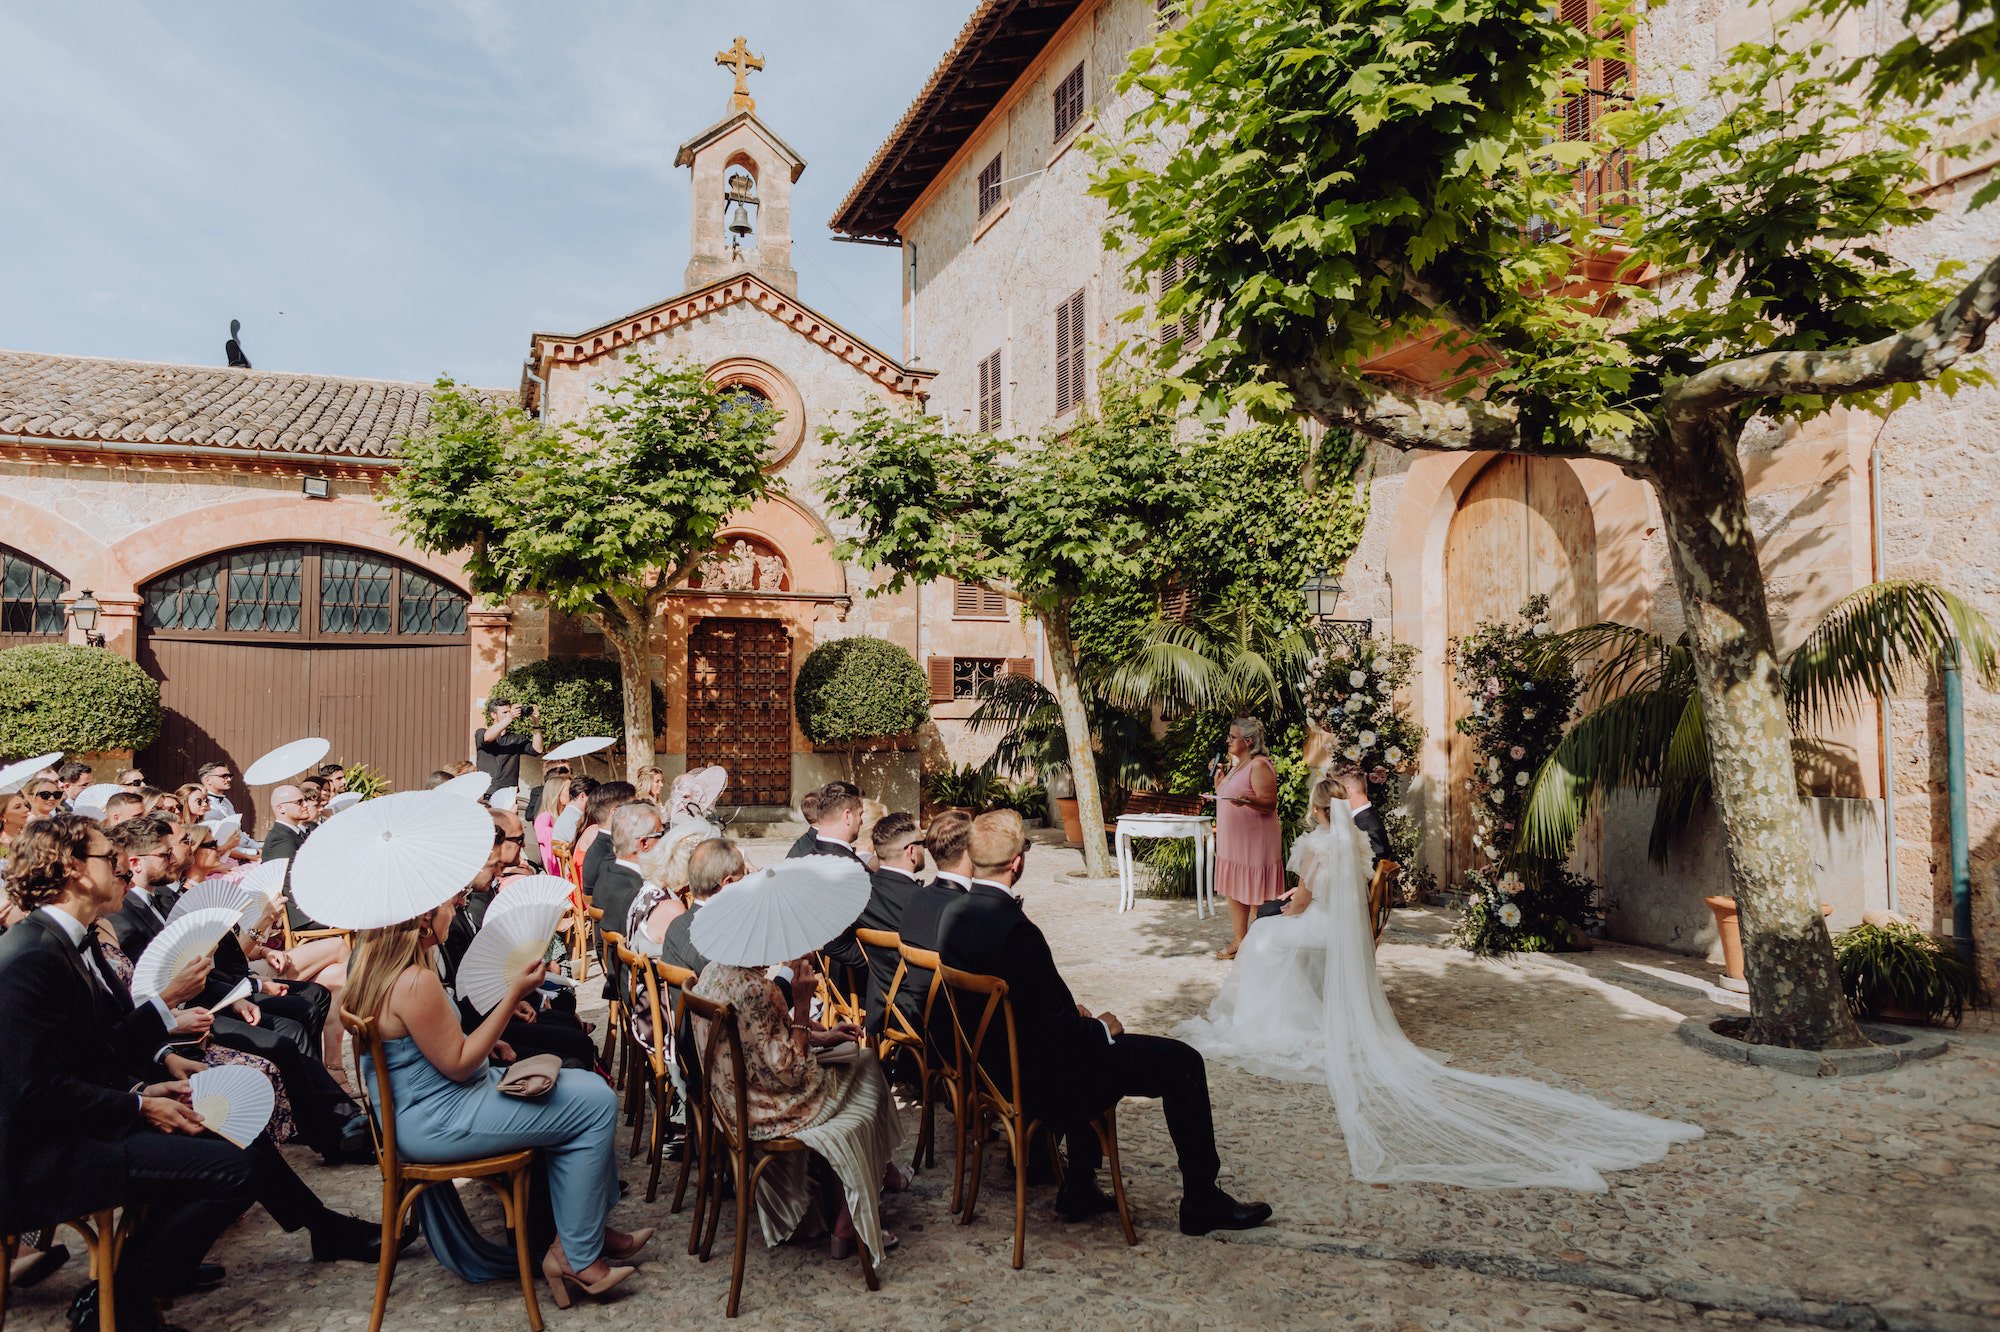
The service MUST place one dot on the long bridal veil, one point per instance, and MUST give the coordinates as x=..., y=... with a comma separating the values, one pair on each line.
x=1305, y=1001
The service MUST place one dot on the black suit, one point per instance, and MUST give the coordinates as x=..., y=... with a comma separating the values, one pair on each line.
x=806, y=845
x=71, y=1133
x=849, y=963
x=559, y=1034
x=596, y=859
x=136, y=924
x=1370, y=824
x=889, y=895
x=283, y=843
x=1071, y=1068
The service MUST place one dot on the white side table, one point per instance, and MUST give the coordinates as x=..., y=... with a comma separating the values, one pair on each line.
x=1197, y=828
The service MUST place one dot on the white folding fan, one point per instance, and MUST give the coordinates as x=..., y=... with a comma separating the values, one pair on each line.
x=183, y=941
x=530, y=890
x=221, y=895
x=507, y=942
x=233, y=1102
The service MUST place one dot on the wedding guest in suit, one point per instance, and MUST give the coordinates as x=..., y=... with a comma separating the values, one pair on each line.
x=593, y=839
x=948, y=840
x=75, y=778
x=1075, y=1065
x=85, y=1124
x=833, y=833
x=809, y=811
x=1249, y=845
x=147, y=862
x=291, y=825
x=899, y=859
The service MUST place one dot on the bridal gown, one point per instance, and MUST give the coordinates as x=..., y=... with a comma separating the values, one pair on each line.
x=1304, y=1003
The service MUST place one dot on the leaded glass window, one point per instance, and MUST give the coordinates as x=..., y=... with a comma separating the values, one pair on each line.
x=265, y=587
x=354, y=592
x=187, y=598
x=30, y=597
x=429, y=607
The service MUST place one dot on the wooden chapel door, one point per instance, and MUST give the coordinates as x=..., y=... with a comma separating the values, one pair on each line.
x=739, y=707
x=1523, y=527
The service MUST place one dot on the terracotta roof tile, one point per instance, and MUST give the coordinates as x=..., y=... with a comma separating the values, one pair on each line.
x=94, y=399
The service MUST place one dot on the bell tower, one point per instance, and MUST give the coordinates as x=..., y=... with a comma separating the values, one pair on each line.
x=742, y=176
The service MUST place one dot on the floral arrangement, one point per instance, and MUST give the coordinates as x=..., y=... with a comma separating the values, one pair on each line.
x=1522, y=697
x=1351, y=687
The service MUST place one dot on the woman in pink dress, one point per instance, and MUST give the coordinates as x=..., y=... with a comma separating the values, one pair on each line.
x=1249, y=845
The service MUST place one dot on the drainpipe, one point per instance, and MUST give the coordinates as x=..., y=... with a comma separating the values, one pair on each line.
x=541, y=387
x=1882, y=700
x=1954, y=780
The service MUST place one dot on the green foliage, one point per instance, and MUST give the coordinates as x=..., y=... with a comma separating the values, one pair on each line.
x=1897, y=965
x=367, y=781
x=855, y=689
x=1353, y=691
x=1947, y=46
x=1031, y=739
x=79, y=700
x=577, y=696
x=977, y=789
x=1522, y=696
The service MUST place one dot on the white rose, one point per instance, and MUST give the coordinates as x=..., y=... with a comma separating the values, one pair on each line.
x=1367, y=739
x=1510, y=915
x=1495, y=797
x=1353, y=751
x=1357, y=678
x=1353, y=704
x=1393, y=754
x=1520, y=779
x=1542, y=629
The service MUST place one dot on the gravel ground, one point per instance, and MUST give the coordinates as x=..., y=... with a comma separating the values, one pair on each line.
x=1870, y=1201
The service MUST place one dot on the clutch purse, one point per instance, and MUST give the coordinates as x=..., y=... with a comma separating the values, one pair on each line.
x=532, y=1077
x=846, y=1052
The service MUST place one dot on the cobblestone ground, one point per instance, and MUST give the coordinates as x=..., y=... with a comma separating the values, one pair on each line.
x=1858, y=1202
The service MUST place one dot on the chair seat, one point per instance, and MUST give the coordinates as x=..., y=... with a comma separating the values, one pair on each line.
x=477, y=1168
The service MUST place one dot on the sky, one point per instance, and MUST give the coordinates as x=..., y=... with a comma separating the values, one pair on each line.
x=399, y=190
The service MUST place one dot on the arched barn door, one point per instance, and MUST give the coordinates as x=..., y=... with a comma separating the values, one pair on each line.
x=1522, y=527
x=258, y=646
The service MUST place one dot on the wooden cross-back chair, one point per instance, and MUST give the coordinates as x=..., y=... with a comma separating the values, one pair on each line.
x=104, y=1235
x=403, y=1182
x=935, y=1069
x=1382, y=894
x=1000, y=1097
x=569, y=866
x=838, y=1003
x=727, y=1139
x=676, y=980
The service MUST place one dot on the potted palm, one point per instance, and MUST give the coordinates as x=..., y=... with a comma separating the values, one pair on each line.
x=1894, y=972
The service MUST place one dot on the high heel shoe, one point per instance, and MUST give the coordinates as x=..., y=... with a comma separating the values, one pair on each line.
x=640, y=1239
x=560, y=1280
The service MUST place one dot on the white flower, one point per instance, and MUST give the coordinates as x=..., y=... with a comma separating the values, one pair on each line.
x=1493, y=763
x=1541, y=629
x=1357, y=678
x=1352, y=751
x=1394, y=754
x=1521, y=778
x=1510, y=915
x=1494, y=796
x=1353, y=704
x=1367, y=739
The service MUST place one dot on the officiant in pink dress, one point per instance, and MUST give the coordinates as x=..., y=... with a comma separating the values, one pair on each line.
x=1249, y=845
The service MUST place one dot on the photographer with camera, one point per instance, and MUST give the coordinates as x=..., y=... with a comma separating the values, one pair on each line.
x=497, y=753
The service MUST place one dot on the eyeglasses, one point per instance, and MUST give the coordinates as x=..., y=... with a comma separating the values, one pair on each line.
x=45, y=795
x=111, y=856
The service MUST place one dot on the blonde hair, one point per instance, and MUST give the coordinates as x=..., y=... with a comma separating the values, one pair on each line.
x=872, y=812
x=381, y=956
x=996, y=839
x=1252, y=732
x=1324, y=792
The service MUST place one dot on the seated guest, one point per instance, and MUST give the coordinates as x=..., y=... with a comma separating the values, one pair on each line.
x=333, y=777
x=663, y=867
x=448, y=1108
x=833, y=833
x=652, y=785
x=163, y=803
x=543, y=806
x=949, y=840
x=291, y=824
x=899, y=857
x=438, y=777
x=13, y=818
x=74, y=777
x=132, y=777
x=808, y=811
x=215, y=779
x=146, y=857
x=593, y=840
x=513, y=839
x=1074, y=1065
x=88, y=1125
x=842, y=1111
x=569, y=823
x=45, y=795
x=712, y=866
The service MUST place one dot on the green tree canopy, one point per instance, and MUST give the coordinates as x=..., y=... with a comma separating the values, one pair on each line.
x=855, y=689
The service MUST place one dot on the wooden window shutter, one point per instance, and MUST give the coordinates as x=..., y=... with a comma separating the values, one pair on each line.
x=1024, y=666
x=938, y=671
x=989, y=185
x=1069, y=102
x=973, y=601
x=1069, y=353
x=1577, y=116
x=990, y=414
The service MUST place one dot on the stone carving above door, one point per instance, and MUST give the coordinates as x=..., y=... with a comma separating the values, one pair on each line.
x=743, y=564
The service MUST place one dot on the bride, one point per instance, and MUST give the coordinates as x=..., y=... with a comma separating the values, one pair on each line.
x=1304, y=1002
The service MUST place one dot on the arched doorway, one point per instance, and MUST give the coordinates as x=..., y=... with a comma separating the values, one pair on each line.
x=1522, y=527
x=31, y=601
x=264, y=644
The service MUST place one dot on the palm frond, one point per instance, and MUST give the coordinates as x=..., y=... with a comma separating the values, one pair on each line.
x=1622, y=743
x=1613, y=658
x=1683, y=777
x=1876, y=634
x=1175, y=663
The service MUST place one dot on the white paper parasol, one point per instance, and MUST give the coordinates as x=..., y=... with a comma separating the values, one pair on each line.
x=234, y=1102
x=221, y=895
x=345, y=800
x=694, y=794
x=466, y=786
x=390, y=859
x=530, y=890
x=285, y=761
x=507, y=942
x=15, y=775
x=183, y=941
x=782, y=912
x=98, y=796
x=577, y=748
x=505, y=798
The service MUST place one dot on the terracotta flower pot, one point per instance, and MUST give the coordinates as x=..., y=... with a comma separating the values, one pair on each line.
x=1072, y=822
x=1730, y=932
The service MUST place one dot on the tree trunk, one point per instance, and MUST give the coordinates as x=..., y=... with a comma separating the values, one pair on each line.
x=1795, y=992
x=1082, y=755
x=628, y=630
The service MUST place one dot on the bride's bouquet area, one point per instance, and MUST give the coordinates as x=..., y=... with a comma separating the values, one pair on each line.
x=1522, y=698
x=1351, y=689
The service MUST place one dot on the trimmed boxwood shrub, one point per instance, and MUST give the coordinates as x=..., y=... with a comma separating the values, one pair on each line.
x=856, y=689
x=577, y=696
x=80, y=700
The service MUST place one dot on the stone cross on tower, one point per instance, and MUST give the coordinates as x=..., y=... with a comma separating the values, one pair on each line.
x=738, y=58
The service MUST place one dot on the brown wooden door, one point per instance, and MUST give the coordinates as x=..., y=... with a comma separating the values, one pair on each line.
x=401, y=710
x=739, y=706
x=1523, y=527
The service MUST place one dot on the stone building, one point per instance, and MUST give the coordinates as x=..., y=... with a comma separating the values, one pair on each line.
x=226, y=520
x=1011, y=301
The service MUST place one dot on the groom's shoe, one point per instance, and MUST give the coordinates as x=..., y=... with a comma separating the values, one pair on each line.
x=1221, y=1212
x=1083, y=1203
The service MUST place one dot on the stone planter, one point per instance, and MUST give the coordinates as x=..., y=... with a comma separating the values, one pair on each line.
x=1072, y=822
x=1729, y=931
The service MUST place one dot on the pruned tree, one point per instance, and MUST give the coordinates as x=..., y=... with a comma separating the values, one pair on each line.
x=1052, y=520
x=1326, y=181
x=603, y=516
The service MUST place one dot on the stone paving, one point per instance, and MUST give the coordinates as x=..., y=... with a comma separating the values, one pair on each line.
x=1870, y=1201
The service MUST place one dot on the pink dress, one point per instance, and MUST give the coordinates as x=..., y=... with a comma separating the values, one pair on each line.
x=1249, y=845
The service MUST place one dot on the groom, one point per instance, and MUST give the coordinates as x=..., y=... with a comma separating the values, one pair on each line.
x=1350, y=783
x=1074, y=1065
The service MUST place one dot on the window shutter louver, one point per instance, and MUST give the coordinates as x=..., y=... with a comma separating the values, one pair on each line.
x=990, y=405
x=1069, y=102
x=989, y=185
x=1069, y=353
x=938, y=671
x=1023, y=666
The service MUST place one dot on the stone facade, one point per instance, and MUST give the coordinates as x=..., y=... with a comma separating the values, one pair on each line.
x=975, y=283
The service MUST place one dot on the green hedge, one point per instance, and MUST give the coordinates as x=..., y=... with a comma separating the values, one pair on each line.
x=856, y=689
x=80, y=700
x=577, y=696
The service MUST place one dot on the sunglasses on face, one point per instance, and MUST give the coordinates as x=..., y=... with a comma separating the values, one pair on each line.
x=45, y=795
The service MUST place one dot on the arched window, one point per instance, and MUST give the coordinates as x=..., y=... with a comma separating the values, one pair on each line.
x=31, y=607
x=305, y=593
